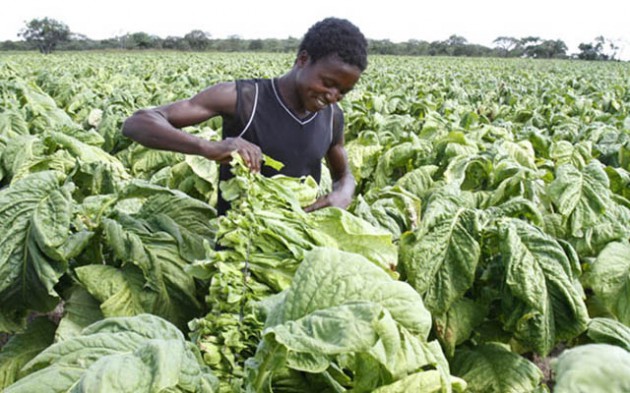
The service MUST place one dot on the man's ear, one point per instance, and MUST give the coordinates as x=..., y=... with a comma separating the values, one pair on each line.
x=302, y=58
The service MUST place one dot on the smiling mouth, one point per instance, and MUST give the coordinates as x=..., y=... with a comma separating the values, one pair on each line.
x=321, y=103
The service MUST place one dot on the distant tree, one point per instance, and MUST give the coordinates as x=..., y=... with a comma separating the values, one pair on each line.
x=529, y=44
x=235, y=43
x=141, y=40
x=79, y=42
x=382, y=47
x=45, y=34
x=588, y=51
x=416, y=48
x=170, y=42
x=291, y=44
x=506, y=44
x=256, y=45
x=176, y=43
x=456, y=45
x=455, y=40
x=198, y=40
x=557, y=49
x=596, y=50
x=272, y=45
x=13, y=45
x=438, y=48
x=474, y=50
x=548, y=49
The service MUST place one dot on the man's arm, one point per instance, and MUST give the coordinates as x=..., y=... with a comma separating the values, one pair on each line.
x=159, y=128
x=343, y=180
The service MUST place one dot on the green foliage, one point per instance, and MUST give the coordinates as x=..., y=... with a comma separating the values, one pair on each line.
x=492, y=367
x=493, y=194
x=610, y=280
x=609, y=331
x=592, y=368
x=35, y=245
x=23, y=347
x=264, y=239
x=141, y=353
x=327, y=321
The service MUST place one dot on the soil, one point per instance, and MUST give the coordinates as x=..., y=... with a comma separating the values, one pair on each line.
x=544, y=364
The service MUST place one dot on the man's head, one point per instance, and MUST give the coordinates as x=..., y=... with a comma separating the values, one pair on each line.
x=334, y=36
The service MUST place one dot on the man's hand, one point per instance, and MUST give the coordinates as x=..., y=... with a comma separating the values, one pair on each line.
x=222, y=152
x=334, y=199
x=343, y=181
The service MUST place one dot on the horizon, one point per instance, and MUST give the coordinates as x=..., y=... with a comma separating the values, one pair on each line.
x=479, y=23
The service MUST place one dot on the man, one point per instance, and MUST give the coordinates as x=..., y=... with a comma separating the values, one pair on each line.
x=293, y=119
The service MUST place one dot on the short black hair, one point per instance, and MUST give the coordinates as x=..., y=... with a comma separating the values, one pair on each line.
x=336, y=36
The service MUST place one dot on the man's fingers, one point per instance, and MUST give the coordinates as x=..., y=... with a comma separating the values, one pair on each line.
x=318, y=204
x=259, y=160
x=252, y=159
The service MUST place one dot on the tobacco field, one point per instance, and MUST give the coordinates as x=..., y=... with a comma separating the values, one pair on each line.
x=487, y=248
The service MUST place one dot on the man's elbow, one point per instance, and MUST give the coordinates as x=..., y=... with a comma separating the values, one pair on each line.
x=126, y=129
x=130, y=126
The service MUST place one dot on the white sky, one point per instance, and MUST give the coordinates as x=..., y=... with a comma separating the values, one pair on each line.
x=479, y=21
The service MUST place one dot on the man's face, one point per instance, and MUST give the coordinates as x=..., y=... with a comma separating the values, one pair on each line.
x=325, y=81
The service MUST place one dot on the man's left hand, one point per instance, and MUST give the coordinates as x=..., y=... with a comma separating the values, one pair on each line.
x=334, y=199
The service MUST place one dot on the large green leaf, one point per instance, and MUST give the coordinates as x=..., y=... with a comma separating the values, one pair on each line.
x=330, y=277
x=593, y=368
x=440, y=261
x=23, y=347
x=582, y=196
x=13, y=123
x=343, y=310
x=612, y=226
x=564, y=152
x=492, y=367
x=362, y=158
x=88, y=154
x=539, y=274
x=132, y=354
x=35, y=215
x=425, y=382
x=80, y=310
x=521, y=152
x=419, y=181
x=20, y=152
x=458, y=323
x=187, y=219
x=609, y=331
x=394, y=209
x=157, y=254
x=144, y=162
x=41, y=109
x=119, y=291
x=609, y=277
x=469, y=172
x=350, y=233
x=398, y=160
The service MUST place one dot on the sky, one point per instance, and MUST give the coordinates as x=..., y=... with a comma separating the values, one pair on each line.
x=479, y=21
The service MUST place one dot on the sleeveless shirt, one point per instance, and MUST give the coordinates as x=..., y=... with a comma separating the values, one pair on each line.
x=264, y=119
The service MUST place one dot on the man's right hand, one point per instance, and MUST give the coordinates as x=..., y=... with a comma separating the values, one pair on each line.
x=252, y=155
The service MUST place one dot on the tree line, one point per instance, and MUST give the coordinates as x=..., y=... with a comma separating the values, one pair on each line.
x=48, y=35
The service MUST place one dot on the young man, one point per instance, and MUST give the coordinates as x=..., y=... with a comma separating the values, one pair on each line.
x=294, y=118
